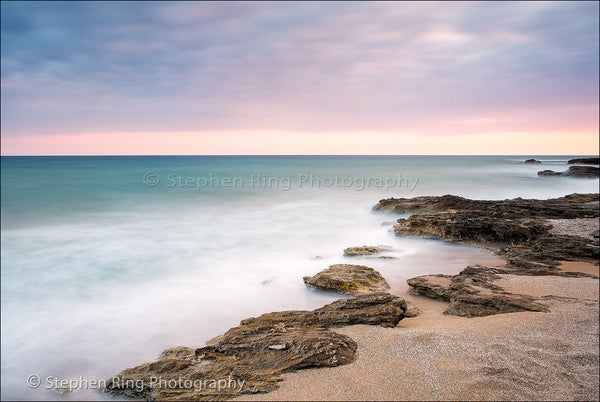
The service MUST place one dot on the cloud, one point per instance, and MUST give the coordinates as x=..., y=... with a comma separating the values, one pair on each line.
x=81, y=67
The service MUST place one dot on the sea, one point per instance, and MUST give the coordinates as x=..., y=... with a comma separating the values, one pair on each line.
x=108, y=260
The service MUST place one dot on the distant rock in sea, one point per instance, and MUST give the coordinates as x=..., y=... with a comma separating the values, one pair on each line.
x=574, y=171
x=535, y=161
x=585, y=161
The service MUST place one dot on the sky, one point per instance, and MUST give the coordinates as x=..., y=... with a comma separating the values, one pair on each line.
x=391, y=78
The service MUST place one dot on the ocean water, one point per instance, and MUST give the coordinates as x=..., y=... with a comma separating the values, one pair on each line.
x=106, y=261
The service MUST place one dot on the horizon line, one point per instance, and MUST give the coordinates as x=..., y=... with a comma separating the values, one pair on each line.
x=287, y=155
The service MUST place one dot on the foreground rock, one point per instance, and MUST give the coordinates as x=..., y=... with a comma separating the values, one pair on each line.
x=574, y=171
x=251, y=357
x=534, y=161
x=585, y=161
x=472, y=293
x=348, y=279
x=365, y=250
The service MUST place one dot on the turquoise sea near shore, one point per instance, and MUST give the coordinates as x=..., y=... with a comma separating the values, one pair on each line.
x=106, y=261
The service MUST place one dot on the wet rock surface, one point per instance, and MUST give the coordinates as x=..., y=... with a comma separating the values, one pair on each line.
x=534, y=161
x=521, y=231
x=585, y=161
x=574, y=171
x=251, y=357
x=365, y=250
x=472, y=293
x=570, y=206
x=347, y=279
x=520, y=228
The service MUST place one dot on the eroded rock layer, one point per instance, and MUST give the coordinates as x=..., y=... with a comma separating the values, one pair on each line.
x=251, y=357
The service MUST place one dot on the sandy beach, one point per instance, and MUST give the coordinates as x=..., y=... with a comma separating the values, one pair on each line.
x=520, y=323
x=516, y=356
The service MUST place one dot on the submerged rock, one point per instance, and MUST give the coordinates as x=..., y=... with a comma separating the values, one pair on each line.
x=585, y=161
x=583, y=171
x=574, y=171
x=548, y=172
x=251, y=357
x=535, y=161
x=365, y=250
x=348, y=279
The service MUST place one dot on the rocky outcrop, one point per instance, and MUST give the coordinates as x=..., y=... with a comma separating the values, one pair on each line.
x=519, y=227
x=574, y=171
x=570, y=206
x=365, y=250
x=585, y=161
x=347, y=279
x=251, y=357
x=534, y=161
x=472, y=293
x=470, y=227
x=519, y=230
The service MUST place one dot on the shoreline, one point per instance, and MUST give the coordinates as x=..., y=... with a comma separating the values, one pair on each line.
x=523, y=326
x=550, y=355
x=444, y=357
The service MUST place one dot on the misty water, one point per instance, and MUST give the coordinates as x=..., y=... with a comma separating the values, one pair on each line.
x=106, y=261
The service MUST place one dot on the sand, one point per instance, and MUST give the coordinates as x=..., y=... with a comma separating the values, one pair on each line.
x=517, y=356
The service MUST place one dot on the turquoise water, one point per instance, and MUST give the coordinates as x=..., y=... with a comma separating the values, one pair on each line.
x=106, y=261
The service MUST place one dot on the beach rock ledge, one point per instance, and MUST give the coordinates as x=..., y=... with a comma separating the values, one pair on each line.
x=251, y=357
x=472, y=293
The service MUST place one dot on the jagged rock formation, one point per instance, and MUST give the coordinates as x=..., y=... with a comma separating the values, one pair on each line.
x=585, y=161
x=251, y=357
x=569, y=206
x=520, y=228
x=348, y=279
x=472, y=293
x=589, y=172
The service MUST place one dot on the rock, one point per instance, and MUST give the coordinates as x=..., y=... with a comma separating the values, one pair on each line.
x=549, y=173
x=570, y=206
x=365, y=250
x=251, y=357
x=379, y=308
x=574, y=171
x=535, y=161
x=585, y=161
x=411, y=310
x=480, y=305
x=551, y=248
x=348, y=279
x=519, y=227
x=470, y=227
x=472, y=293
x=432, y=286
x=583, y=171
